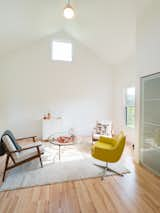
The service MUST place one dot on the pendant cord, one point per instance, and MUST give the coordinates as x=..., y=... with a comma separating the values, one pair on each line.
x=67, y=1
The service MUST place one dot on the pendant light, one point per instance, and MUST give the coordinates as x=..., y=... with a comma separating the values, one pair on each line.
x=68, y=12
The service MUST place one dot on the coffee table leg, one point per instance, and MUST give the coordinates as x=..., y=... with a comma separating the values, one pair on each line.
x=59, y=152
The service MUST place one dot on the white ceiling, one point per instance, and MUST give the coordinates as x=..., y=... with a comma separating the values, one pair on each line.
x=107, y=27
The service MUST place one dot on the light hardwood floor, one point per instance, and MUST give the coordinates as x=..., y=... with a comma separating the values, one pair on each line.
x=136, y=192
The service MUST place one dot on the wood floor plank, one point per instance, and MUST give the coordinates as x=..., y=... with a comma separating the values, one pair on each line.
x=85, y=202
x=137, y=192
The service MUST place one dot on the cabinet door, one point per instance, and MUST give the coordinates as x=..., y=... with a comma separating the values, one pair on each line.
x=150, y=123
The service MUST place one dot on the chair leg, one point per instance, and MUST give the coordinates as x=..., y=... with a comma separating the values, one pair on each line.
x=103, y=167
x=109, y=169
x=106, y=168
x=41, y=161
x=6, y=165
x=40, y=156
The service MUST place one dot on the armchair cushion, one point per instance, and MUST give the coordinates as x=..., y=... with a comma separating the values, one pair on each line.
x=9, y=145
x=107, y=140
x=28, y=153
x=103, y=146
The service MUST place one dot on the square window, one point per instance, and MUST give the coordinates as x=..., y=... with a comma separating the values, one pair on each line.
x=61, y=51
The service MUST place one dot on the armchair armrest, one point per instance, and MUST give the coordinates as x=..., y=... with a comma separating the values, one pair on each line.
x=32, y=145
x=108, y=140
x=37, y=145
x=31, y=137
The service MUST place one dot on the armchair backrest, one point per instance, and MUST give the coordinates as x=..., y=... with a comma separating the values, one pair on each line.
x=119, y=147
x=8, y=143
x=13, y=139
x=9, y=146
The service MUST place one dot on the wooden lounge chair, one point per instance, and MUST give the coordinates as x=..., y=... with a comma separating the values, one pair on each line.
x=18, y=154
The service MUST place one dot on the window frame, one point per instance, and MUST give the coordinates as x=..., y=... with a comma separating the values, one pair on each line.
x=129, y=106
x=58, y=58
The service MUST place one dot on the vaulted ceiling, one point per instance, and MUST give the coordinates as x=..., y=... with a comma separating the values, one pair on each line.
x=107, y=27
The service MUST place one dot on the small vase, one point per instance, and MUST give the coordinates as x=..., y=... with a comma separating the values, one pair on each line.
x=49, y=116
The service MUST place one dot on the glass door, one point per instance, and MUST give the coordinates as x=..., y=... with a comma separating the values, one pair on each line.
x=150, y=123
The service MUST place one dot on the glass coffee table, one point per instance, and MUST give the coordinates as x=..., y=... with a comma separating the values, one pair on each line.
x=60, y=144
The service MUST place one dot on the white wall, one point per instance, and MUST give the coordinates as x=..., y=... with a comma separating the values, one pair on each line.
x=124, y=77
x=129, y=73
x=148, y=51
x=148, y=41
x=31, y=85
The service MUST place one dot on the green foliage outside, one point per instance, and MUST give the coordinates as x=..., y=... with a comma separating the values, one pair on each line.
x=130, y=116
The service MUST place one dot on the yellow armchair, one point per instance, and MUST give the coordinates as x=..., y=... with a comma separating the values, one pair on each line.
x=109, y=150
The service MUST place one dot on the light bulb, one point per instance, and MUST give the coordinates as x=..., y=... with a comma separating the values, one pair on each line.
x=68, y=12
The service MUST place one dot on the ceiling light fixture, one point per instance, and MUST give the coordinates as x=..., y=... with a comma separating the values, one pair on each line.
x=68, y=11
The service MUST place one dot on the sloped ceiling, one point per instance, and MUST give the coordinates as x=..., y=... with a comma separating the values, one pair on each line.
x=142, y=7
x=107, y=27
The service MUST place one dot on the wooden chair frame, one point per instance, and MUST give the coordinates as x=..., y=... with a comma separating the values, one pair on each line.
x=9, y=156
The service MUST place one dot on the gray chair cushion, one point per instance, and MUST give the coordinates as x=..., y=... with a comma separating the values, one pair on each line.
x=11, y=136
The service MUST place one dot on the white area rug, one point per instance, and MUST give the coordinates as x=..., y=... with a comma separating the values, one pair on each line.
x=76, y=163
